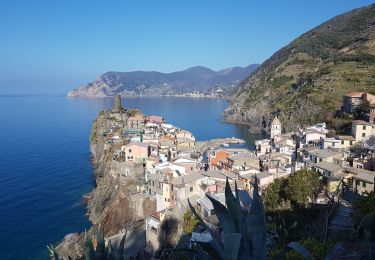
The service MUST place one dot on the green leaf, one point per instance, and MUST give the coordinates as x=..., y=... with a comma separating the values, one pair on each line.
x=231, y=204
x=300, y=249
x=223, y=215
x=100, y=247
x=232, y=242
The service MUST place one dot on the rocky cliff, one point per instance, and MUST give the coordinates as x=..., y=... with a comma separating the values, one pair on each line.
x=304, y=82
x=115, y=202
x=152, y=83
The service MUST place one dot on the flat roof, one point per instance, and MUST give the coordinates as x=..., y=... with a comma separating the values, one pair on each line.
x=361, y=122
x=324, y=153
x=332, y=167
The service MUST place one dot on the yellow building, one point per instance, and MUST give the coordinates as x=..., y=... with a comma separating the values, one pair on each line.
x=362, y=130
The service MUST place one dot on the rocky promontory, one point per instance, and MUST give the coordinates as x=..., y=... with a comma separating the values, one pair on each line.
x=119, y=201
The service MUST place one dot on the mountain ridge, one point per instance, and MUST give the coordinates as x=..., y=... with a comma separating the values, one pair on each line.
x=304, y=81
x=198, y=79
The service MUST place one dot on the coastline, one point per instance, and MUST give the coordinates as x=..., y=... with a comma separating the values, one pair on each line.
x=112, y=187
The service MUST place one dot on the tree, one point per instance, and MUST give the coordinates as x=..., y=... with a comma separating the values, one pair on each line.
x=303, y=186
x=363, y=206
x=362, y=109
x=273, y=195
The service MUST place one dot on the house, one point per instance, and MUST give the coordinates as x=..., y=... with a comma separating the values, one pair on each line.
x=136, y=122
x=152, y=225
x=339, y=142
x=185, y=142
x=183, y=134
x=327, y=169
x=166, y=143
x=324, y=155
x=218, y=156
x=132, y=133
x=215, y=156
x=189, y=164
x=136, y=151
x=242, y=161
x=155, y=120
x=262, y=146
x=362, y=130
x=351, y=101
x=186, y=186
x=363, y=181
x=154, y=188
x=367, y=163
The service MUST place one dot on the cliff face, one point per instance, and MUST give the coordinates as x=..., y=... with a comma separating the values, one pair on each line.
x=304, y=82
x=152, y=83
x=114, y=203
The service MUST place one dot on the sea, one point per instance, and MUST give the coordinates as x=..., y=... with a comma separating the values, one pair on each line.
x=45, y=165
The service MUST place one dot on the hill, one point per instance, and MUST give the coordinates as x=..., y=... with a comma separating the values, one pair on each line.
x=152, y=83
x=304, y=82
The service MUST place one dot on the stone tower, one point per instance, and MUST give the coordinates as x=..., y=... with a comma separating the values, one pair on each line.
x=117, y=105
x=275, y=127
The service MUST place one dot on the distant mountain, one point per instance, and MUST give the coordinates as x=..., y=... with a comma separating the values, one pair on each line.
x=304, y=81
x=195, y=80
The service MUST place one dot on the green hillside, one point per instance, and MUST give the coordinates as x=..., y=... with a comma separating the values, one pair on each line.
x=304, y=82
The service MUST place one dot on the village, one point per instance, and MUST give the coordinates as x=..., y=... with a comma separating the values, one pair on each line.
x=175, y=168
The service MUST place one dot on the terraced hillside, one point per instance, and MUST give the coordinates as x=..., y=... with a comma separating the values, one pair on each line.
x=304, y=81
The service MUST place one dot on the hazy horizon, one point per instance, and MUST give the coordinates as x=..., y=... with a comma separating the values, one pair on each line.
x=52, y=47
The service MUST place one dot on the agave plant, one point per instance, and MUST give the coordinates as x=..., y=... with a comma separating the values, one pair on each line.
x=244, y=233
x=237, y=225
x=101, y=252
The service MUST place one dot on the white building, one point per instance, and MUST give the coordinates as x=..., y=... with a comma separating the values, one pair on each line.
x=275, y=127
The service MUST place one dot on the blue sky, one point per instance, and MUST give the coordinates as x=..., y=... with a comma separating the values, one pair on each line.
x=53, y=46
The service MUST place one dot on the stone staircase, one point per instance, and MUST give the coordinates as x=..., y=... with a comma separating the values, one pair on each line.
x=341, y=221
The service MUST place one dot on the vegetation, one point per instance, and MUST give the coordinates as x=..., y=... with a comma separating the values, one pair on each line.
x=190, y=222
x=97, y=250
x=363, y=206
x=304, y=82
x=319, y=250
x=298, y=190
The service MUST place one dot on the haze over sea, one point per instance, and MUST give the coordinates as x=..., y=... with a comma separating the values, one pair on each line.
x=45, y=165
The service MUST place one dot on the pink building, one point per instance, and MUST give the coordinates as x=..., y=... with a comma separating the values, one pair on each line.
x=155, y=119
x=136, y=151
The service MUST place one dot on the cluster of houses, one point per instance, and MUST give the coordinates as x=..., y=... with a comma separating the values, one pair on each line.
x=175, y=171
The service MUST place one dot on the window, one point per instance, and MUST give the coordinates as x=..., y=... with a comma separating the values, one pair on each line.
x=357, y=182
x=364, y=127
x=342, y=141
x=363, y=184
x=130, y=150
x=333, y=144
x=191, y=188
x=363, y=134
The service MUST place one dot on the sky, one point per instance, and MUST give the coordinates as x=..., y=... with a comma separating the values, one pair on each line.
x=53, y=46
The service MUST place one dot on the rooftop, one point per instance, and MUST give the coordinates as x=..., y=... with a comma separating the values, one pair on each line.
x=332, y=167
x=323, y=153
x=354, y=94
x=361, y=122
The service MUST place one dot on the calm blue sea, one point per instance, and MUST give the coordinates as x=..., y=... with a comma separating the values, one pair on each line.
x=45, y=163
